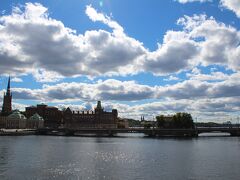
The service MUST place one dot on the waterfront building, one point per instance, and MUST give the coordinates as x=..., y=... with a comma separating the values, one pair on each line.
x=122, y=123
x=16, y=120
x=35, y=122
x=52, y=116
x=2, y=121
x=7, y=101
x=90, y=119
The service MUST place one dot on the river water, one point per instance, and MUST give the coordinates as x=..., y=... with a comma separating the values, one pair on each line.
x=135, y=157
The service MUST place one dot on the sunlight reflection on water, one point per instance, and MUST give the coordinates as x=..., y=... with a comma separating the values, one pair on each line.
x=46, y=157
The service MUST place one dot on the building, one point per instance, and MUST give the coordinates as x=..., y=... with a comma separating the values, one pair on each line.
x=52, y=116
x=16, y=120
x=122, y=123
x=7, y=101
x=3, y=121
x=90, y=119
x=49, y=116
x=35, y=122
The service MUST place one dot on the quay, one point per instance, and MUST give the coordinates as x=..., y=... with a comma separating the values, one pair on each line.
x=149, y=132
x=17, y=132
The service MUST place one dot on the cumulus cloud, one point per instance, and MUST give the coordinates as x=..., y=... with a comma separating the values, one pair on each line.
x=103, y=90
x=115, y=90
x=199, y=97
x=179, y=53
x=95, y=16
x=32, y=42
x=213, y=76
x=16, y=79
x=218, y=43
x=233, y=5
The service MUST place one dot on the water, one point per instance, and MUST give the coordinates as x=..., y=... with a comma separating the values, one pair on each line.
x=52, y=157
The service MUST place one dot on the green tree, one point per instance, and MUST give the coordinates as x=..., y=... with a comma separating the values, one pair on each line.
x=178, y=121
x=160, y=121
x=183, y=120
x=147, y=125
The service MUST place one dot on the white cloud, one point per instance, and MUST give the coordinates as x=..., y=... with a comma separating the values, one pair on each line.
x=171, y=78
x=42, y=75
x=233, y=5
x=213, y=76
x=16, y=79
x=201, y=98
x=218, y=43
x=114, y=90
x=32, y=42
x=95, y=16
x=172, y=57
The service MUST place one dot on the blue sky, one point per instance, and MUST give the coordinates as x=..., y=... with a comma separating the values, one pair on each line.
x=141, y=57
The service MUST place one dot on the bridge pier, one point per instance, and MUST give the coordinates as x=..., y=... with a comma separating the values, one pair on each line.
x=195, y=134
x=110, y=133
x=151, y=133
x=69, y=133
x=236, y=133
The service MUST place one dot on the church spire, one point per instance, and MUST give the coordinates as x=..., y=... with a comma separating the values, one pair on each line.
x=9, y=87
x=7, y=100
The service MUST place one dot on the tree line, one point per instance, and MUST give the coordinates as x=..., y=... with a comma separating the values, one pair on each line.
x=179, y=120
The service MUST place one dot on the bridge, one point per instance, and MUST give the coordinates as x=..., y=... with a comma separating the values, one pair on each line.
x=149, y=132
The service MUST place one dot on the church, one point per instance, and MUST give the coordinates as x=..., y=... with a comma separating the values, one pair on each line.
x=14, y=119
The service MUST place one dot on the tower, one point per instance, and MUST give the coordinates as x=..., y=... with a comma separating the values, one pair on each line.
x=99, y=108
x=7, y=100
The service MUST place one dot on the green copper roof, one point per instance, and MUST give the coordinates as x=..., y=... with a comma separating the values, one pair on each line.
x=16, y=115
x=36, y=117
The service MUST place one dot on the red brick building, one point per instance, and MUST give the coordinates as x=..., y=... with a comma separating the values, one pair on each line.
x=52, y=116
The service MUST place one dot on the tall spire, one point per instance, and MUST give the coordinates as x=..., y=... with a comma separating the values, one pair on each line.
x=9, y=87
x=7, y=100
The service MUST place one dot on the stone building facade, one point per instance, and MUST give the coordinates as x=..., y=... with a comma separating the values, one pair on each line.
x=90, y=119
x=3, y=120
x=16, y=120
x=35, y=122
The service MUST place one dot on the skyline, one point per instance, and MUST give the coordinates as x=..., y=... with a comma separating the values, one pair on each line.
x=180, y=56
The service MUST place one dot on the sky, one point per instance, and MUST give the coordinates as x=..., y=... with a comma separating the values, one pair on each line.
x=144, y=58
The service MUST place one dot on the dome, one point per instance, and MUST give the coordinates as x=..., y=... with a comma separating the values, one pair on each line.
x=16, y=115
x=36, y=117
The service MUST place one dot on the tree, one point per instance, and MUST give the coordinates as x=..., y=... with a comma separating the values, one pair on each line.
x=147, y=125
x=179, y=120
x=160, y=121
x=183, y=120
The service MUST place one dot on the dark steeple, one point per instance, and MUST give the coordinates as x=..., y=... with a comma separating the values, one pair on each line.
x=8, y=87
x=7, y=100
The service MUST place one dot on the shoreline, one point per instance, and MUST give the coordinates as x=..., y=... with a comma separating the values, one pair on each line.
x=11, y=132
